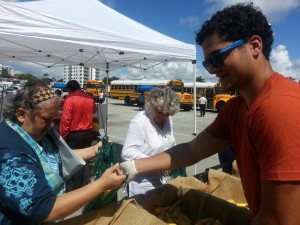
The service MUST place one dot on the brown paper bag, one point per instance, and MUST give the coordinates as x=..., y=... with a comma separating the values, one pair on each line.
x=162, y=196
x=235, y=171
x=126, y=212
x=189, y=182
x=225, y=186
x=198, y=205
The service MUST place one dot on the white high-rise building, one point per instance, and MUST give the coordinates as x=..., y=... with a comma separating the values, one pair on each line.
x=10, y=70
x=81, y=74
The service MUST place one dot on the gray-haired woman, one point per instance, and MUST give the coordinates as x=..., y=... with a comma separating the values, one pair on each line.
x=151, y=132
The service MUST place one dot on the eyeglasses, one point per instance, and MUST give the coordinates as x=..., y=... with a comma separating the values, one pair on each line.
x=162, y=113
x=216, y=58
x=158, y=113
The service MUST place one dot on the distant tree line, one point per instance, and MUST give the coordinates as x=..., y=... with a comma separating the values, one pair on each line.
x=27, y=76
x=4, y=73
x=110, y=79
x=200, y=79
x=46, y=77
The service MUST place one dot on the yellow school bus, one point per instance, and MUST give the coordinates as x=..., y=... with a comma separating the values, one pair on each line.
x=125, y=90
x=213, y=92
x=95, y=88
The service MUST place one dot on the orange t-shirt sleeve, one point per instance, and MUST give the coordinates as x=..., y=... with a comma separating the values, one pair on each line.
x=219, y=127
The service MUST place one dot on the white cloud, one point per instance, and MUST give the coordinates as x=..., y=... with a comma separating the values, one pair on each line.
x=281, y=62
x=274, y=10
x=170, y=70
x=277, y=9
x=191, y=21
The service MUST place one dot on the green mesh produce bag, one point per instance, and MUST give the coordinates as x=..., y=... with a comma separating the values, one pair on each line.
x=178, y=173
x=105, y=159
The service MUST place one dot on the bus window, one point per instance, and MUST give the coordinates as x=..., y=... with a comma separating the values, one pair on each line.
x=201, y=91
x=176, y=88
x=219, y=91
x=210, y=97
x=209, y=93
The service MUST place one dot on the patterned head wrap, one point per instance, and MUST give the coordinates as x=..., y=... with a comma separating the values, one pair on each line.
x=42, y=95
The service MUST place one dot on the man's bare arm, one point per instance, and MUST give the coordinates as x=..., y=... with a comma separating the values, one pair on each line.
x=279, y=204
x=183, y=155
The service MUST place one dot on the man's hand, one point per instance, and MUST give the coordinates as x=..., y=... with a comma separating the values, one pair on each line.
x=128, y=167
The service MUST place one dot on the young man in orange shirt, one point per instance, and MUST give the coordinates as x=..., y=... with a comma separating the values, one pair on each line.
x=236, y=43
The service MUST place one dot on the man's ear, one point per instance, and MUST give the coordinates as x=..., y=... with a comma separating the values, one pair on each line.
x=256, y=45
x=20, y=114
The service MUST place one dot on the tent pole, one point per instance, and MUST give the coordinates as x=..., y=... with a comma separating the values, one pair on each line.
x=194, y=97
x=106, y=97
x=1, y=103
x=195, y=109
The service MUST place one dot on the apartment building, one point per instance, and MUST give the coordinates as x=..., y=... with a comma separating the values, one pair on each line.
x=9, y=69
x=81, y=74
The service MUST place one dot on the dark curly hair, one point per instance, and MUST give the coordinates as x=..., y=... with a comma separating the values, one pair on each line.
x=240, y=21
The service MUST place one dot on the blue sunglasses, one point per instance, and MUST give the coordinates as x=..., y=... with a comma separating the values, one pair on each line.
x=216, y=58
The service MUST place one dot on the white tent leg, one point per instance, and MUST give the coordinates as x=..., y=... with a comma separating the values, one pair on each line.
x=194, y=91
x=195, y=109
x=106, y=98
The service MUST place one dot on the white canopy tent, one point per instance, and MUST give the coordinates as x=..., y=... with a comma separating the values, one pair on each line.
x=53, y=33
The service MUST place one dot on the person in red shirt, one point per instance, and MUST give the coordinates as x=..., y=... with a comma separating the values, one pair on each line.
x=262, y=124
x=76, y=126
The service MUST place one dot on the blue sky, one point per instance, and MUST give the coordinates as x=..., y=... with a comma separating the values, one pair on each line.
x=180, y=19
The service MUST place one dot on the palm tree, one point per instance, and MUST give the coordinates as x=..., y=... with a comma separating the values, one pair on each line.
x=200, y=79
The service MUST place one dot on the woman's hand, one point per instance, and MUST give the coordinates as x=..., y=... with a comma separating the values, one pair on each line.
x=113, y=177
x=89, y=152
x=95, y=148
